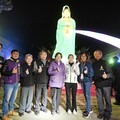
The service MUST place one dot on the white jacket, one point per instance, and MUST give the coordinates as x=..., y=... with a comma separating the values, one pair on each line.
x=72, y=72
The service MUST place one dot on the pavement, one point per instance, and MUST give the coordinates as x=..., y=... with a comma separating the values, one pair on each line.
x=48, y=116
x=62, y=116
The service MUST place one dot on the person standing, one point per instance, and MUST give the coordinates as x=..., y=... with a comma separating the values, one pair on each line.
x=41, y=85
x=116, y=81
x=2, y=58
x=72, y=72
x=65, y=38
x=103, y=82
x=27, y=82
x=85, y=79
x=56, y=71
x=2, y=54
x=11, y=72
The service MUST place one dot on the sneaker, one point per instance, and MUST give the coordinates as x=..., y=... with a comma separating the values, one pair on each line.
x=6, y=117
x=69, y=112
x=86, y=114
x=74, y=112
x=21, y=114
x=37, y=112
x=91, y=111
x=45, y=110
x=107, y=118
x=100, y=116
x=28, y=112
x=13, y=113
x=58, y=111
x=53, y=112
x=116, y=103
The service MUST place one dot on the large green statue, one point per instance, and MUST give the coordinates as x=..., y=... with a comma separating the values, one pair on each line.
x=65, y=39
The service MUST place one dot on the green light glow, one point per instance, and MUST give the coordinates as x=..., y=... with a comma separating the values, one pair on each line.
x=111, y=61
x=65, y=39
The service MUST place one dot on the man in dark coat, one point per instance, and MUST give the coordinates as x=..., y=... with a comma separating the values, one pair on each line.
x=103, y=82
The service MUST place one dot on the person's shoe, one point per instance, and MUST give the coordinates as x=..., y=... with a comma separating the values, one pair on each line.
x=53, y=112
x=91, y=111
x=69, y=111
x=37, y=112
x=21, y=114
x=28, y=112
x=116, y=103
x=86, y=114
x=6, y=117
x=107, y=118
x=58, y=111
x=13, y=113
x=100, y=116
x=74, y=112
x=44, y=110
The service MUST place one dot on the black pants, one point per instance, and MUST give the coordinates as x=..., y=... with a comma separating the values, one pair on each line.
x=116, y=87
x=117, y=94
x=71, y=87
x=104, y=95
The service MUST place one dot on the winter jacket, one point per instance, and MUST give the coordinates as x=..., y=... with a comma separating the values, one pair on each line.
x=72, y=72
x=57, y=78
x=41, y=78
x=26, y=79
x=100, y=67
x=87, y=77
x=9, y=77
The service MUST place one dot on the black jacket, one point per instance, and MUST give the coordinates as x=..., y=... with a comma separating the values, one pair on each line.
x=27, y=80
x=116, y=74
x=41, y=78
x=100, y=67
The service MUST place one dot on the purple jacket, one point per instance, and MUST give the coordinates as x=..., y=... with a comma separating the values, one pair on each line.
x=9, y=77
x=57, y=77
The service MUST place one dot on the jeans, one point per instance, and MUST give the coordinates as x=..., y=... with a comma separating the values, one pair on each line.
x=10, y=93
x=26, y=98
x=86, y=90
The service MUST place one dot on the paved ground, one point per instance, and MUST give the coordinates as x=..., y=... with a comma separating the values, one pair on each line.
x=62, y=116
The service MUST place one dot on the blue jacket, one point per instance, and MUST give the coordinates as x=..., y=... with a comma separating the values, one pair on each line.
x=87, y=77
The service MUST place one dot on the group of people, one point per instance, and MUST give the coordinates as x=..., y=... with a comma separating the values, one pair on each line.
x=42, y=74
x=55, y=74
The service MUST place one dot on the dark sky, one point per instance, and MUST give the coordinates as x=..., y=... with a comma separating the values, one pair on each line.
x=32, y=24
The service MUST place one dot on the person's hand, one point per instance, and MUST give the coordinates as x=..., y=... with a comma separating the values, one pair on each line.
x=85, y=71
x=39, y=69
x=104, y=75
x=0, y=65
x=58, y=69
x=27, y=71
x=74, y=71
x=81, y=76
x=14, y=70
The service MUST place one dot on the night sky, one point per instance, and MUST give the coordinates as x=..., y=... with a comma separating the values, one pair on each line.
x=32, y=24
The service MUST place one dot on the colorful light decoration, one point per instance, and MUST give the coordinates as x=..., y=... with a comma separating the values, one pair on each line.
x=100, y=36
